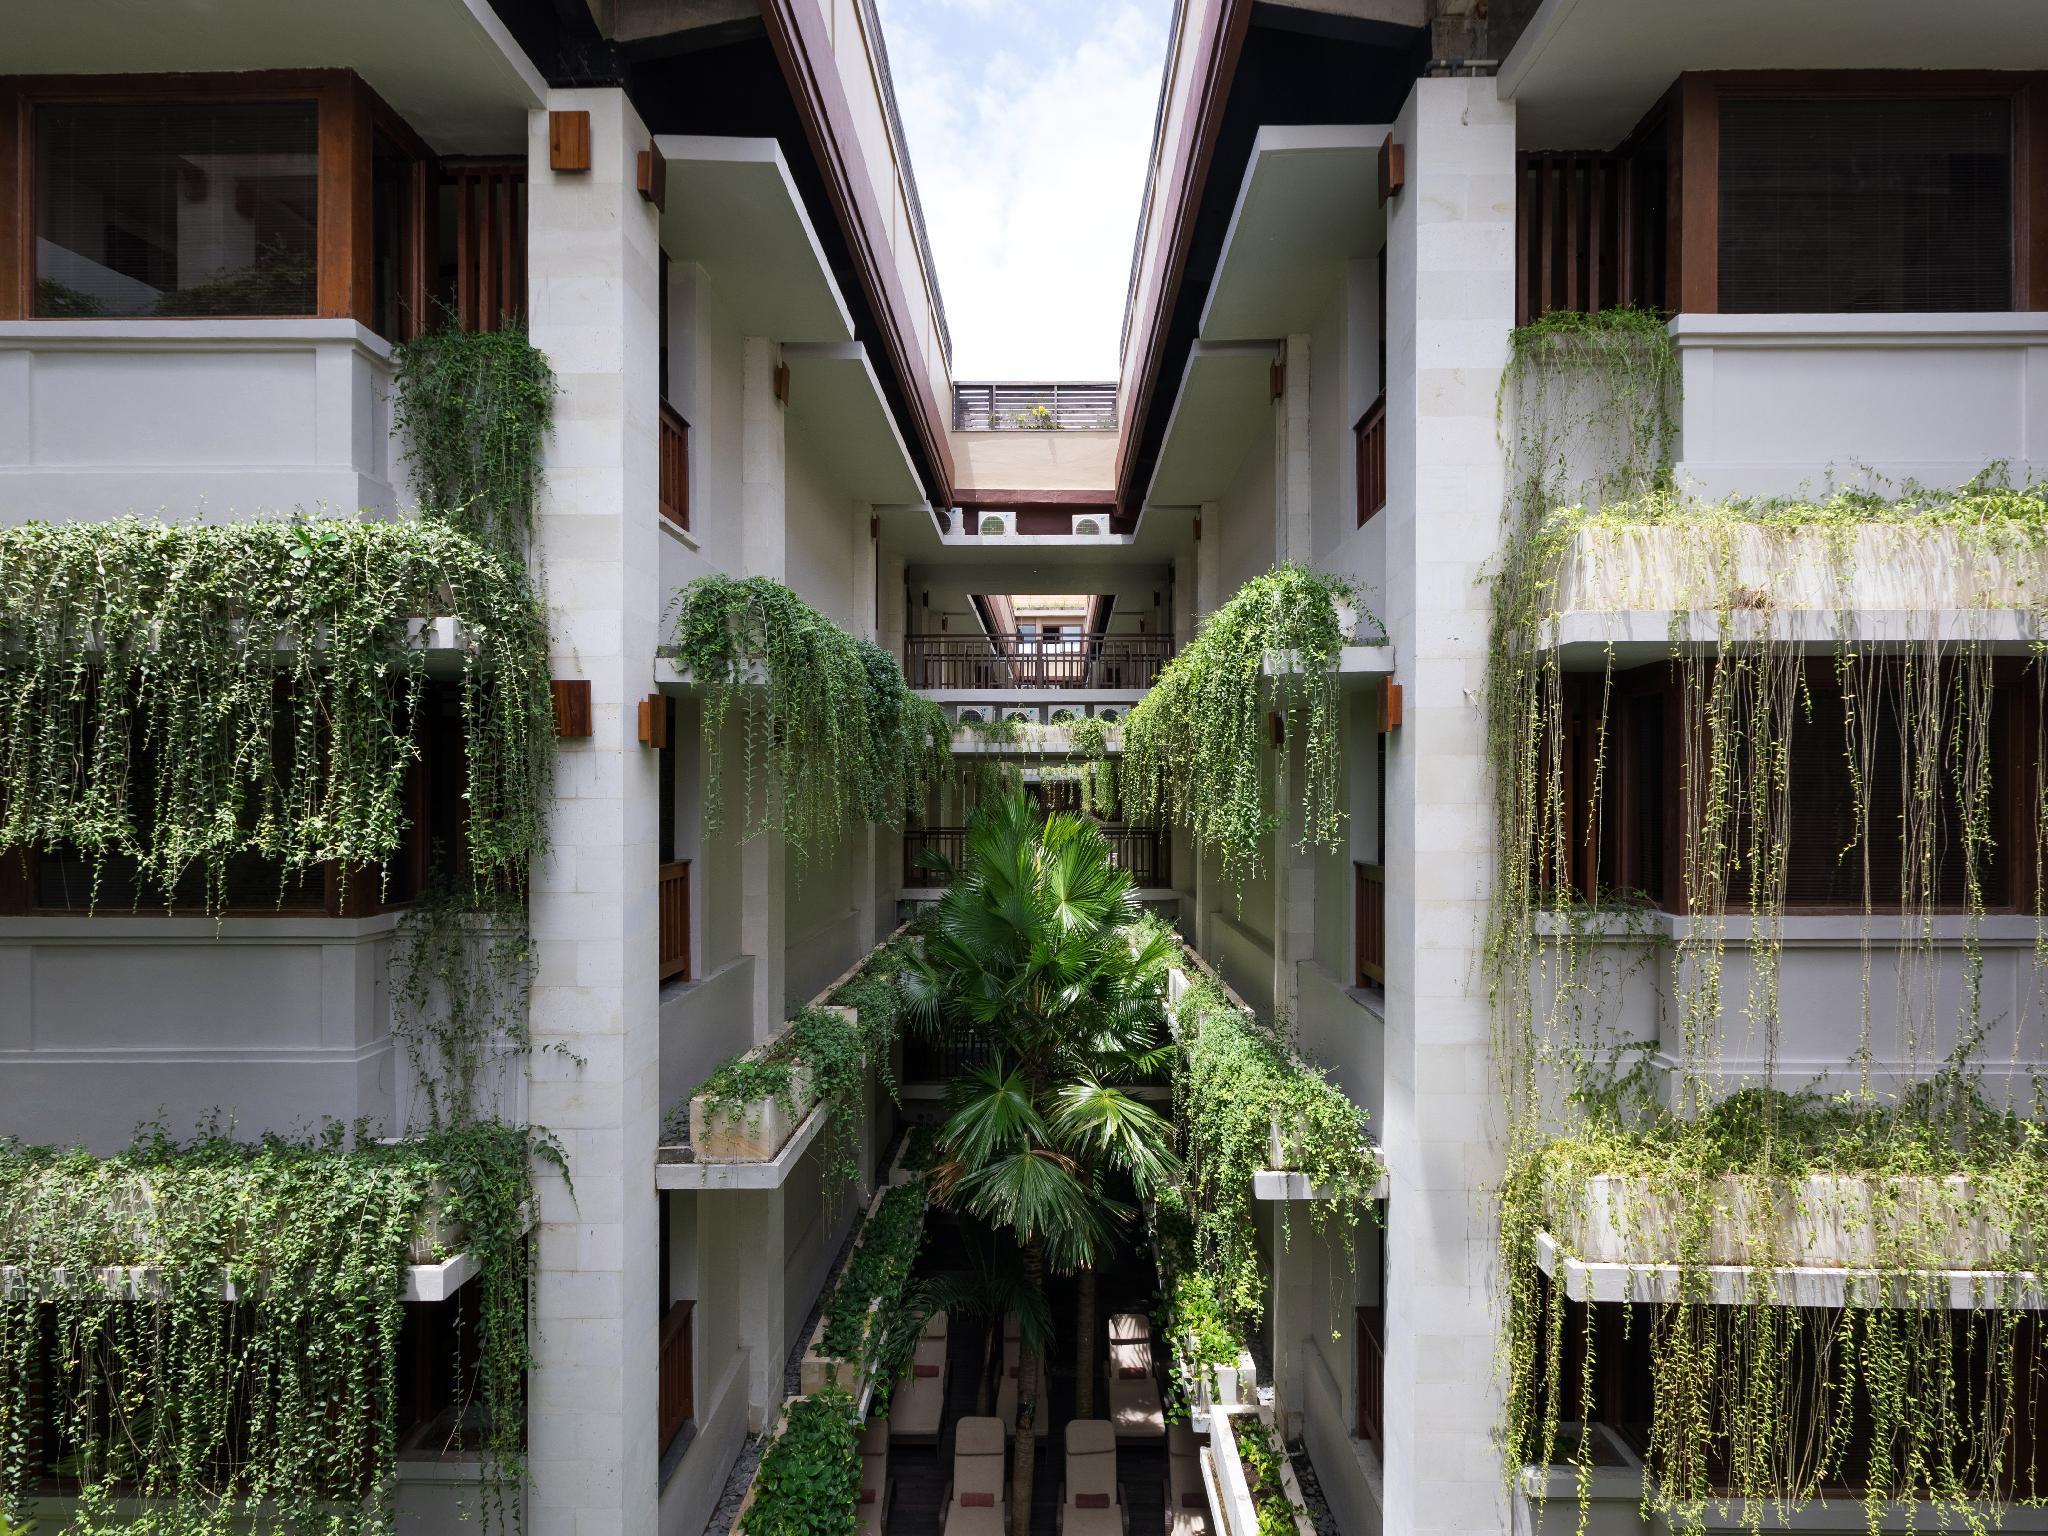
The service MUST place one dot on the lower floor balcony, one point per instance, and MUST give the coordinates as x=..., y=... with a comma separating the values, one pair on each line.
x=931, y=855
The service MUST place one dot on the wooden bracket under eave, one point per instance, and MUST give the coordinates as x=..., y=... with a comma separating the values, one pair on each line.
x=572, y=707
x=653, y=177
x=1278, y=379
x=654, y=710
x=1393, y=168
x=1390, y=704
x=568, y=141
x=782, y=383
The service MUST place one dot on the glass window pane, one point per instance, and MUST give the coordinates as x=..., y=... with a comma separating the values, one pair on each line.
x=175, y=208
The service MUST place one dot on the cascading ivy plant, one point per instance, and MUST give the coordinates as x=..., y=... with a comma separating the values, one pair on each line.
x=1756, y=1405
x=1197, y=748
x=831, y=732
x=125, y=1367
x=1236, y=1083
x=474, y=408
x=461, y=969
x=879, y=1273
x=178, y=693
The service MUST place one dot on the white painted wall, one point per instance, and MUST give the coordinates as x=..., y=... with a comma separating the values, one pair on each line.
x=224, y=418
x=1774, y=404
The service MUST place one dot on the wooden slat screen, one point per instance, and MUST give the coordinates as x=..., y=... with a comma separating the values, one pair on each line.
x=490, y=242
x=674, y=920
x=1576, y=244
x=1371, y=442
x=678, y=1388
x=1369, y=917
x=675, y=467
x=1370, y=1331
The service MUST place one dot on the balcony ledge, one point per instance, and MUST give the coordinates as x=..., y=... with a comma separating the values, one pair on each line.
x=423, y=1282
x=1283, y=1185
x=1730, y=1285
x=1587, y=640
x=770, y=1173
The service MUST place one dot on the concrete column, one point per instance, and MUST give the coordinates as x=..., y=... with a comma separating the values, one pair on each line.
x=764, y=859
x=1294, y=881
x=744, y=1235
x=594, y=308
x=1293, y=522
x=1450, y=306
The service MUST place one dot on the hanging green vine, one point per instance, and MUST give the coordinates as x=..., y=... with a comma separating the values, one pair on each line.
x=474, y=408
x=1757, y=1405
x=179, y=693
x=1238, y=1087
x=461, y=975
x=1198, y=748
x=280, y=1405
x=831, y=733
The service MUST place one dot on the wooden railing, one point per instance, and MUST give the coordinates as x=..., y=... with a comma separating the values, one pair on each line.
x=1369, y=919
x=677, y=1371
x=1142, y=851
x=675, y=467
x=674, y=920
x=1372, y=1377
x=490, y=242
x=1009, y=660
x=926, y=1060
x=1371, y=435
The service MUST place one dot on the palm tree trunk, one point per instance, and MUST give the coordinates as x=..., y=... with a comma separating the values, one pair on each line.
x=1027, y=1406
x=1084, y=1347
x=991, y=1369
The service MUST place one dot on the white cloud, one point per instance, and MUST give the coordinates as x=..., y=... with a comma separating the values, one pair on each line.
x=1029, y=129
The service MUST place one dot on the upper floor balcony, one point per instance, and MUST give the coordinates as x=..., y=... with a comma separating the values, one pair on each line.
x=1058, y=407
x=1013, y=661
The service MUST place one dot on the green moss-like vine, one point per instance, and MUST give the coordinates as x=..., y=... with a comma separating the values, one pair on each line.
x=474, y=408
x=832, y=734
x=281, y=1405
x=177, y=693
x=1197, y=749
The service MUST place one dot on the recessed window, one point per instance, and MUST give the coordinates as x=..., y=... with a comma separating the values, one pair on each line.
x=1840, y=205
x=176, y=208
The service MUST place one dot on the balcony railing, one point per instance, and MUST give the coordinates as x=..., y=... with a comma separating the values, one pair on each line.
x=1371, y=434
x=1034, y=407
x=1369, y=918
x=675, y=920
x=1027, y=661
x=675, y=467
x=1140, y=851
x=677, y=1372
x=1372, y=1375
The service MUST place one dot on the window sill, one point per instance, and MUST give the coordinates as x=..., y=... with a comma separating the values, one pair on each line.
x=199, y=334
x=680, y=534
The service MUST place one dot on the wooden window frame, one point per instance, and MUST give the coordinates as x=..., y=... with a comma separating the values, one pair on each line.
x=1689, y=115
x=1615, y=848
x=349, y=114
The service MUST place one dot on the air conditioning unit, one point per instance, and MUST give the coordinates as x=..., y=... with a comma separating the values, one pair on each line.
x=1110, y=712
x=1025, y=712
x=970, y=714
x=1066, y=714
x=995, y=524
x=1090, y=525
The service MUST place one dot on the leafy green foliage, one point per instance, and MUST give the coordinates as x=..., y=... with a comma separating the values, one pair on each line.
x=179, y=693
x=461, y=975
x=475, y=407
x=1262, y=1460
x=1197, y=749
x=825, y=718
x=879, y=1271
x=1710, y=1162
x=809, y=1479
x=1237, y=1081
x=221, y=1410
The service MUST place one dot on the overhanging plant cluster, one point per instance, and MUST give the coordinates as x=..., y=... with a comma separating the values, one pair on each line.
x=1196, y=748
x=280, y=1403
x=875, y=1312
x=1759, y=1404
x=831, y=732
x=180, y=693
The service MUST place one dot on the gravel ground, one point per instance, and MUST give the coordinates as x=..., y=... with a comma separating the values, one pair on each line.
x=1312, y=1493
x=742, y=1474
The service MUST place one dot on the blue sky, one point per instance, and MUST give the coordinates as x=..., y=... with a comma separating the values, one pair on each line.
x=1029, y=126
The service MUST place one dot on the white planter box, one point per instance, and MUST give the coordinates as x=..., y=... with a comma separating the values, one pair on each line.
x=755, y=1131
x=1820, y=1221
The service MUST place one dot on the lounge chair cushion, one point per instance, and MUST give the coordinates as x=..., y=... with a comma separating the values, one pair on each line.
x=1135, y=1407
x=919, y=1401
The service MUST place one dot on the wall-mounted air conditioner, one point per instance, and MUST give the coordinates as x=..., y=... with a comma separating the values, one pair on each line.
x=1110, y=712
x=1025, y=712
x=970, y=714
x=1090, y=524
x=994, y=524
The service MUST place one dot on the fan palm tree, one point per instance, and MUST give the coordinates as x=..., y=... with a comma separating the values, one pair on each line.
x=1031, y=950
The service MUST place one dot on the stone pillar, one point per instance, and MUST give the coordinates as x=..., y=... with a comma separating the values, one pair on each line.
x=594, y=310
x=1450, y=305
x=1293, y=522
x=764, y=859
